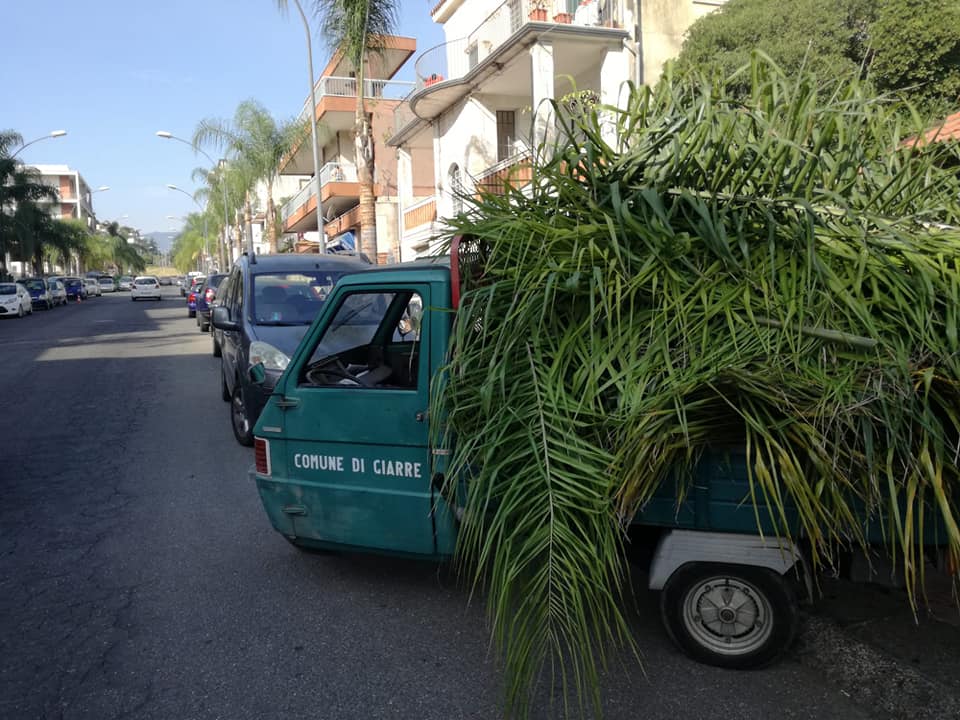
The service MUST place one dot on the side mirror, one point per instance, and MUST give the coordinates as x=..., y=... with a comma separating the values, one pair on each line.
x=220, y=319
x=257, y=374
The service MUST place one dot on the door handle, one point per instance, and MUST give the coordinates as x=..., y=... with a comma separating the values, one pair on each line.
x=284, y=402
x=420, y=416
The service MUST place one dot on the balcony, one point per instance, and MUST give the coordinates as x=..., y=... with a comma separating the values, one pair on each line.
x=420, y=213
x=339, y=187
x=493, y=59
x=515, y=171
x=346, y=87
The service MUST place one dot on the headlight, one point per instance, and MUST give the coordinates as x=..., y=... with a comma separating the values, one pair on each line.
x=272, y=359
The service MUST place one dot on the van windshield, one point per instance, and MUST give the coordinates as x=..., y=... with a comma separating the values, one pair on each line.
x=290, y=298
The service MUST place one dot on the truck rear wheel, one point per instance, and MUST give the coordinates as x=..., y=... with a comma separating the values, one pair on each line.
x=731, y=616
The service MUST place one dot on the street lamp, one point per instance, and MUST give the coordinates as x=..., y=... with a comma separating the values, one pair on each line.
x=313, y=130
x=203, y=212
x=223, y=182
x=54, y=134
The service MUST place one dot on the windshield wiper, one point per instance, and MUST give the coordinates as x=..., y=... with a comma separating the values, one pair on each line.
x=280, y=323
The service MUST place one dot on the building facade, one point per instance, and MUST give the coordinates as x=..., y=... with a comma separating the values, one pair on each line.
x=75, y=199
x=478, y=111
x=335, y=113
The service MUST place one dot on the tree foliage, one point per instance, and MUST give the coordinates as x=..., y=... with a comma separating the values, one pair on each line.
x=257, y=144
x=908, y=47
x=773, y=271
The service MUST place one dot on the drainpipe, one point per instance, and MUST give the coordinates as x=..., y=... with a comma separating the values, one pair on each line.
x=638, y=27
x=400, y=210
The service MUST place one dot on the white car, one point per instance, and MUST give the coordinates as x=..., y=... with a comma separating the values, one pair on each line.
x=145, y=286
x=106, y=284
x=57, y=291
x=93, y=287
x=126, y=283
x=15, y=300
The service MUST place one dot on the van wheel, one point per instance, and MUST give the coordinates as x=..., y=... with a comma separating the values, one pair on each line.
x=242, y=429
x=732, y=616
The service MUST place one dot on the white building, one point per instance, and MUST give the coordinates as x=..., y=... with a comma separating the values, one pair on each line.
x=75, y=199
x=476, y=94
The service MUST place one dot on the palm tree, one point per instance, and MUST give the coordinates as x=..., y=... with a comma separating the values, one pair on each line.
x=258, y=143
x=359, y=28
x=125, y=256
x=19, y=191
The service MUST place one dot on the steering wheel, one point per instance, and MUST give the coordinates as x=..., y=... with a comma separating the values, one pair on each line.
x=337, y=369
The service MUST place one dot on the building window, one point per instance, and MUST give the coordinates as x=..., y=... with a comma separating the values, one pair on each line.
x=456, y=188
x=506, y=133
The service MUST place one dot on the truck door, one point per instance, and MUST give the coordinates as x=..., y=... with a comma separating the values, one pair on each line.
x=356, y=423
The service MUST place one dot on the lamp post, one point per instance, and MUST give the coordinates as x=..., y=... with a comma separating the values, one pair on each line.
x=223, y=182
x=54, y=134
x=203, y=212
x=313, y=130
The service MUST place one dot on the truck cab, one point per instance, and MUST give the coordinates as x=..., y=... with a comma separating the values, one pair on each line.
x=343, y=458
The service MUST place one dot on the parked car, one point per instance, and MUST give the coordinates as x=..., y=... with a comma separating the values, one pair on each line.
x=106, y=284
x=145, y=287
x=93, y=287
x=192, y=303
x=15, y=300
x=205, y=296
x=40, y=293
x=75, y=288
x=57, y=291
x=269, y=304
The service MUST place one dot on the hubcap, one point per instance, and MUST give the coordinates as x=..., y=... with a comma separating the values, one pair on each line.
x=727, y=615
x=239, y=413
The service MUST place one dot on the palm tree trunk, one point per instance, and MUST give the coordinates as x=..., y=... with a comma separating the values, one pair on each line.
x=365, y=170
x=270, y=219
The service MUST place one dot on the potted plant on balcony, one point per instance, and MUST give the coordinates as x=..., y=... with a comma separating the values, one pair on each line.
x=563, y=17
x=538, y=10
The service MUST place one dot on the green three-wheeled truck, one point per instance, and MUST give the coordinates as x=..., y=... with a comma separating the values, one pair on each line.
x=344, y=461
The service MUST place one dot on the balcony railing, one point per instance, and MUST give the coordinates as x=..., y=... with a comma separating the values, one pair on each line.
x=331, y=172
x=338, y=172
x=454, y=59
x=515, y=171
x=420, y=213
x=298, y=200
x=332, y=86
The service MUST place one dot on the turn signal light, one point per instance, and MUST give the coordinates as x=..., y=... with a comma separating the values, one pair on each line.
x=261, y=456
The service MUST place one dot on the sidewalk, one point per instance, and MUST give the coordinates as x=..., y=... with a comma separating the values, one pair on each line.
x=867, y=641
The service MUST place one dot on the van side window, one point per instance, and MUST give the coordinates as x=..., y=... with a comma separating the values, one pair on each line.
x=372, y=341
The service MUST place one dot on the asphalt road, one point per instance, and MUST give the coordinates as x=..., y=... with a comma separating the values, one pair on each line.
x=139, y=577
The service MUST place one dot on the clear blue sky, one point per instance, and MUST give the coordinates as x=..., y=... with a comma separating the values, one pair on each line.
x=113, y=72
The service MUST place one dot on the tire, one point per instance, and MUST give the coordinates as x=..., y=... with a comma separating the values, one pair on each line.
x=224, y=390
x=191, y=313
x=204, y=327
x=19, y=311
x=242, y=427
x=133, y=299
x=763, y=611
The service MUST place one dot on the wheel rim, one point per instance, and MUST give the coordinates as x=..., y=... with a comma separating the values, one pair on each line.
x=239, y=412
x=728, y=615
